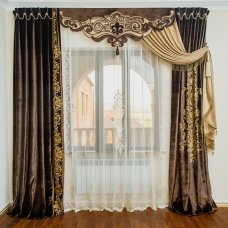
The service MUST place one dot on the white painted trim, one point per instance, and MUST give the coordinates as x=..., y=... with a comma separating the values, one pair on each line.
x=222, y=204
x=5, y=209
x=212, y=5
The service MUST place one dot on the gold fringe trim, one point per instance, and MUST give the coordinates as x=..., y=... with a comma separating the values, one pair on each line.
x=209, y=137
x=209, y=110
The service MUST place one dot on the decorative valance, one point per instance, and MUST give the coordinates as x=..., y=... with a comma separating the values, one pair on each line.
x=83, y=14
x=117, y=27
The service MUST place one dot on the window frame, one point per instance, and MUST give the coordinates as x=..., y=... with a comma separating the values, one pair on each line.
x=99, y=109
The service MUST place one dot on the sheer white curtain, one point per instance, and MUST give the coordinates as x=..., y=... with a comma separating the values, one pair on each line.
x=116, y=124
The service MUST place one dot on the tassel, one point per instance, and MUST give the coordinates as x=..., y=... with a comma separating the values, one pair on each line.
x=117, y=51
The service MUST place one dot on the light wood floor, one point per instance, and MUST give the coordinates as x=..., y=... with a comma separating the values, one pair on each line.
x=162, y=218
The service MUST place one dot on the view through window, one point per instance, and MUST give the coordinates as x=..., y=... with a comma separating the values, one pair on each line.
x=113, y=106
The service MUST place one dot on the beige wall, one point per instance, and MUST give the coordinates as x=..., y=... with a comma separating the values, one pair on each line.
x=6, y=63
x=4, y=196
x=9, y=60
x=217, y=37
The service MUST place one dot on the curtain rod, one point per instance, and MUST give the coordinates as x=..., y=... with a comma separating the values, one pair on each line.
x=194, y=14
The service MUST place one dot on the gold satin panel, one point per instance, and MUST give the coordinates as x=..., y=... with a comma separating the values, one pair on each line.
x=208, y=109
x=167, y=44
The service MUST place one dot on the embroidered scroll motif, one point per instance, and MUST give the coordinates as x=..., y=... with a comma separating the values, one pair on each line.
x=190, y=127
x=117, y=27
x=119, y=123
x=57, y=122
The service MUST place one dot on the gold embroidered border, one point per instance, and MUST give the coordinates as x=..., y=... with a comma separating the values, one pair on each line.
x=190, y=127
x=58, y=121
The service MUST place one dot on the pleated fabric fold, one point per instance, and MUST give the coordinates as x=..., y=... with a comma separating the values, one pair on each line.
x=33, y=138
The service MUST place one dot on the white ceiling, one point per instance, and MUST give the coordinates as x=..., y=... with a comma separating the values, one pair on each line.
x=211, y=4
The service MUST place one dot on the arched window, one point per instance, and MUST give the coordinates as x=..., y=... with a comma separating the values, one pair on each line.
x=110, y=88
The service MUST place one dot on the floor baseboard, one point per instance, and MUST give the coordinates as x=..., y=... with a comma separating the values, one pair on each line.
x=5, y=210
x=222, y=204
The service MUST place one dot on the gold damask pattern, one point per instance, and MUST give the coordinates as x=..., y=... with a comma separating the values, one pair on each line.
x=190, y=126
x=58, y=120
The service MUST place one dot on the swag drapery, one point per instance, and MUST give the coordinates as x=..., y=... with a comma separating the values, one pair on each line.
x=38, y=137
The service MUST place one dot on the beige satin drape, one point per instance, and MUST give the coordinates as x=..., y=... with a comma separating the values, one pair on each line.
x=209, y=115
x=167, y=44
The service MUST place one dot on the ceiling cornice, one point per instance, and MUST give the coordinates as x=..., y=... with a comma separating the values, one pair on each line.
x=212, y=5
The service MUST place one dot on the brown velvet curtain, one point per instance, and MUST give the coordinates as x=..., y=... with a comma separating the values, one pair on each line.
x=189, y=183
x=33, y=141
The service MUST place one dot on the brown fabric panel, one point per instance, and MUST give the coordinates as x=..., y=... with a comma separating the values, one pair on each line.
x=192, y=31
x=189, y=182
x=32, y=140
x=174, y=165
x=82, y=14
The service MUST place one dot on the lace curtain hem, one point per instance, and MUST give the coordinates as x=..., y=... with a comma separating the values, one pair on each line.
x=119, y=207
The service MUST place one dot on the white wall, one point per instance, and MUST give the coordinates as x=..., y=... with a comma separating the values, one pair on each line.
x=6, y=42
x=217, y=38
x=9, y=66
x=4, y=196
